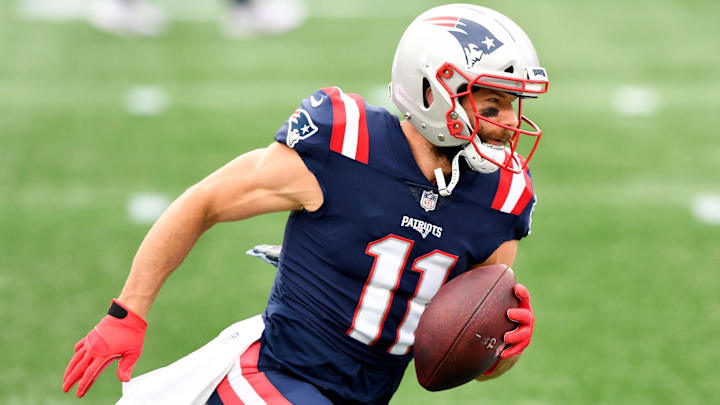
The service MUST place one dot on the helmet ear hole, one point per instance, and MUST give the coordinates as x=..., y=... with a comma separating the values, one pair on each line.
x=425, y=88
x=510, y=69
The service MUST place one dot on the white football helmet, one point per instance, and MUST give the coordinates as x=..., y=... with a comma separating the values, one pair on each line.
x=450, y=49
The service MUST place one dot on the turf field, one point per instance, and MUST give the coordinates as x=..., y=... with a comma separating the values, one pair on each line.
x=624, y=277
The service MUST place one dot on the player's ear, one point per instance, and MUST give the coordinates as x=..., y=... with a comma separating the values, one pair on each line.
x=428, y=93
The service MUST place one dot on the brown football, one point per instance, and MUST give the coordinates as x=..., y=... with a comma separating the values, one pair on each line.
x=460, y=334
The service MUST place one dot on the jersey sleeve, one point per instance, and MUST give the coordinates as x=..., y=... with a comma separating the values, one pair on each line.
x=308, y=130
x=522, y=205
x=522, y=226
x=329, y=121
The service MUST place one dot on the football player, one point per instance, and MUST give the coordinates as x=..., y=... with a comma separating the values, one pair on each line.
x=242, y=19
x=383, y=212
x=247, y=18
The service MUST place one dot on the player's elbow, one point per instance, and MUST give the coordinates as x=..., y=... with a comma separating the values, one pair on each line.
x=224, y=199
x=196, y=204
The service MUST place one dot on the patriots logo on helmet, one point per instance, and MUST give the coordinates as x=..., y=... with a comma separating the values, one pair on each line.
x=300, y=126
x=475, y=39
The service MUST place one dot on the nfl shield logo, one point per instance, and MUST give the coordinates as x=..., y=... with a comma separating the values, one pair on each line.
x=428, y=201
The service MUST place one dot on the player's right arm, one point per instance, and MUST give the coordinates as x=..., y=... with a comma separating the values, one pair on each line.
x=262, y=181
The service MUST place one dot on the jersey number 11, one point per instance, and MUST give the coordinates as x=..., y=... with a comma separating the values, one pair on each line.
x=391, y=254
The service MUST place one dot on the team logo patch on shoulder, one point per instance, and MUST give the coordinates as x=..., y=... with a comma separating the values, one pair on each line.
x=428, y=201
x=300, y=127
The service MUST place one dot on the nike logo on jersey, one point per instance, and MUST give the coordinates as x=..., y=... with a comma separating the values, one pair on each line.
x=422, y=227
x=315, y=102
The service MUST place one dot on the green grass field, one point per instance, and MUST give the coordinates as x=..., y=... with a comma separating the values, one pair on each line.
x=624, y=278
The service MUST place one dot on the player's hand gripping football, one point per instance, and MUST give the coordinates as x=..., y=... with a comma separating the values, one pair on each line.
x=119, y=334
x=518, y=338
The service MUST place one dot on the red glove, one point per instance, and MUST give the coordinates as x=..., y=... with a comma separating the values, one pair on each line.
x=518, y=338
x=119, y=334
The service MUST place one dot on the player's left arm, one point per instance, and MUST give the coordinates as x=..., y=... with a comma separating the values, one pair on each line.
x=518, y=338
x=504, y=254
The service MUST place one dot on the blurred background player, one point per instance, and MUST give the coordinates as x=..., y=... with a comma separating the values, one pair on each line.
x=252, y=17
x=127, y=17
x=374, y=229
x=242, y=18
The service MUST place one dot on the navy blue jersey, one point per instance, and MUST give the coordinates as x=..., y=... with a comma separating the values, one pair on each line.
x=355, y=275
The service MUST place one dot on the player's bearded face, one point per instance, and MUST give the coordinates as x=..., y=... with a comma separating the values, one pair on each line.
x=497, y=106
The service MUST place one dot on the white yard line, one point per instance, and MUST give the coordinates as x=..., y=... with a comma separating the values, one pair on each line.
x=636, y=100
x=146, y=208
x=146, y=100
x=706, y=208
x=52, y=10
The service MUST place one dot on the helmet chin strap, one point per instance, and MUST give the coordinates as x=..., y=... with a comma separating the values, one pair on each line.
x=478, y=162
x=443, y=189
x=474, y=160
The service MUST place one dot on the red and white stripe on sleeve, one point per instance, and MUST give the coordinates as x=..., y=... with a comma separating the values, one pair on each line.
x=514, y=191
x=349, y=132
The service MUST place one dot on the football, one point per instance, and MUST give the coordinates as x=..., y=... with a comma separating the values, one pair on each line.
x=460, y=334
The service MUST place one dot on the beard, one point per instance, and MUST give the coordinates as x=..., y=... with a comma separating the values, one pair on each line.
x=485, y=135
x=496, y=134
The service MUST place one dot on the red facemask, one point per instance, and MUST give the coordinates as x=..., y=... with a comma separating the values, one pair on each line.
x=496, y=82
